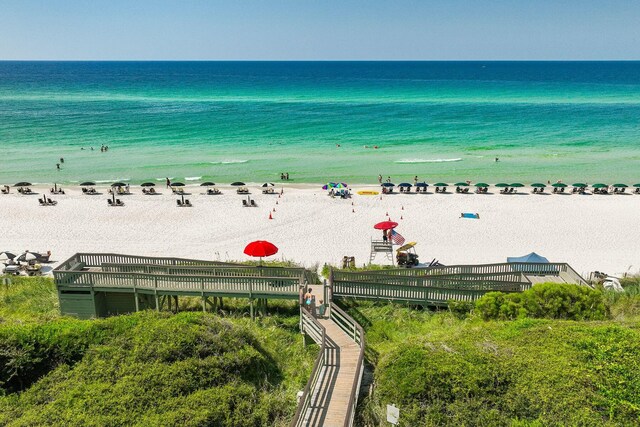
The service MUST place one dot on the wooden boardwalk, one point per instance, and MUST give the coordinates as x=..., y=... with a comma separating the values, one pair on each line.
x=331, y=396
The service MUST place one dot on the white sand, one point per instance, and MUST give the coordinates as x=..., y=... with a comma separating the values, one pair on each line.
x=589, y=232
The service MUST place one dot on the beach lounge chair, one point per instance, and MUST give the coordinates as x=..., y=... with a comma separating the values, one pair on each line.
x=119, y=202
x=637, y=190
x=51, y=202
x=5, y=190
x=187, y=203
x=110, y=202
x=244, y=203
x=144, y=191
x=253, y=203
x=179, y=203
x=210, y=192
x=42, y=202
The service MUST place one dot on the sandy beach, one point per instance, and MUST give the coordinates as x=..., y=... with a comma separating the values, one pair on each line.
x=590, y=232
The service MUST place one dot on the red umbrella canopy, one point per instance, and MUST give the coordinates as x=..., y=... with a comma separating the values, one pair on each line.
x=385, y=225
x=260, y=248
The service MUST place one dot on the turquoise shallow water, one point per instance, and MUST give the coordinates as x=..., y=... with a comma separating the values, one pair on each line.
x=228, y=121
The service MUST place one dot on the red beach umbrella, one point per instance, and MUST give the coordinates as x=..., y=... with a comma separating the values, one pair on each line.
x=385, y=225
x=260, y=248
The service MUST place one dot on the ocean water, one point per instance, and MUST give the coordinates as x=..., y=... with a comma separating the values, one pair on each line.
x=319, y=121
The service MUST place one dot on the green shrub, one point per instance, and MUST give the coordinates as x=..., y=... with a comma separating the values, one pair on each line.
x=546, y=300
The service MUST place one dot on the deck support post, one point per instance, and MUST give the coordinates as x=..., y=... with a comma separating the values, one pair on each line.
x=135, y=297
x=253, y=317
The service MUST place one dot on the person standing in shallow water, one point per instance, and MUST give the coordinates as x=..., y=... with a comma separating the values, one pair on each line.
x=379, y=179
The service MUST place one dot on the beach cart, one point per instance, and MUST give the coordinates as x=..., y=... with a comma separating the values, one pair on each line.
x=406, y=255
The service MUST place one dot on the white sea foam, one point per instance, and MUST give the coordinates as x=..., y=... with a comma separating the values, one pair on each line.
x=427, y=160
x=106, y=181
x=228, y=162
x=192, y=178
x=171, y=178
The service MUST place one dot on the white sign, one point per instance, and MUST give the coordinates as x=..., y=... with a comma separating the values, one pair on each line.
x=393, y=414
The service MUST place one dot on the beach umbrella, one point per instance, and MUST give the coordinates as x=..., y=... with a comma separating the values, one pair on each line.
x=440, y=184
x=260, y=248
x=23, y=184
x=6, y=256
x=538, y=185
x=238, y=184
x=118, y=184
x=177, y=184
x=340, y=185
x=482, y=185
x=461, y=184
x=385, y=225
x=422, y=184
x=88, y=184
x=579, y=185
x=147, y=184
x=268, y=184
x=388, y=184
x=502, y=185
x=620, y=185
x=636, y=185
x=600, y=186
x=207, y=184
x=404, y=185
x=27, y=256
x=517, y=185
x=559, y=185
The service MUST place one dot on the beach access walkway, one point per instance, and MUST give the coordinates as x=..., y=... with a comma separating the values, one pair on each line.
x=331, y=395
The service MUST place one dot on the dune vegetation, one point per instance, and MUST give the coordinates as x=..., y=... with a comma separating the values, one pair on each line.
x=455, y=368
x=147, y=368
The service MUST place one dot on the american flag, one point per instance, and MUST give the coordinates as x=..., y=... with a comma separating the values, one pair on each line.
x=396, y=238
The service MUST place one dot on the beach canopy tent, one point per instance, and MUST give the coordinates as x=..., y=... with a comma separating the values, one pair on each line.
x=388, y=184
x=461, y=184
x=517, y=185
x=422, y=184
x=404, y=185
x=238, y=184
x=538, y=185
x=88, y=184
x=579, y=185
x=531, y=258
x=147, y=184
x=440, y=184
x=620, y=185
x=23, y=184
x=177, y=184
x=385, y=225
x=502, y=185
x=559, y=185
x=600, y=186
x=482, y=185
x=260, y=249
x=268, y=184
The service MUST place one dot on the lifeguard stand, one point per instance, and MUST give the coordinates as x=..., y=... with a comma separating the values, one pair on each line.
x=381, y=247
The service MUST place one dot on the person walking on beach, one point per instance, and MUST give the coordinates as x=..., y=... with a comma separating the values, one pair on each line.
x=415, y=180
x=61, y=159
x=58, y=166
x=168, y=183
x=379, y=179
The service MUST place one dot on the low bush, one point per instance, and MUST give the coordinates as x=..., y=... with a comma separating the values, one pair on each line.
x=545, y=301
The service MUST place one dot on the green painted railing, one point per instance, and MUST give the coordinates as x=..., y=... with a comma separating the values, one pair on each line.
x=422, y=280
x=215, y=270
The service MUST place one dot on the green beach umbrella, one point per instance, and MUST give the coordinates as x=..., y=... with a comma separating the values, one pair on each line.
x=636, y=185
x=580, y=185
x=88, y=184
x=118, y=184
x=517, y=185
x=482, y=185
x=502, y=185
x=147, y=184
x=559, y=185
x=538, y=185
x=599, y=185
x=440, y=184
x=461, y=184
x=620, y=185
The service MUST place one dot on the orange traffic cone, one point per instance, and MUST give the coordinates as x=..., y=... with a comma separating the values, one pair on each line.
x=353, y=211
x=387, y=214
x=270, y=217
x=276, y=202
x=274, y=209
x=401, y=217
x=403, y=207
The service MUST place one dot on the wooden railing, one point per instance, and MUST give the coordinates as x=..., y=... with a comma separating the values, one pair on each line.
x=313, y=328
x=97, y=259
x=424, y=280
x=248, y=286
x=214, y=270
x=527, y=268
x=356, y=333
